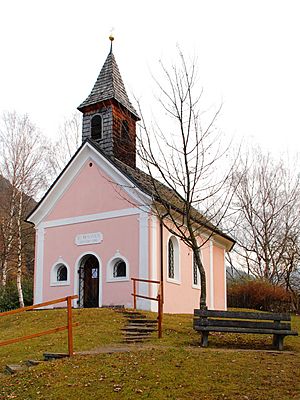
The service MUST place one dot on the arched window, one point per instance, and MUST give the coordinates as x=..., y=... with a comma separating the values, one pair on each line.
x=173, y=260
x=96, y=127
x=196, y=273
x=62, y=273
x=117, y=269
x=171, y=271
x=124, y=130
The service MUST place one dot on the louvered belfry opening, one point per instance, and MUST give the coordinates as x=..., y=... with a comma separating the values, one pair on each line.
x=114, y=129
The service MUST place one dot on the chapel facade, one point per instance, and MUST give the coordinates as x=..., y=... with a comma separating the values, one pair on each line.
x=96, y=228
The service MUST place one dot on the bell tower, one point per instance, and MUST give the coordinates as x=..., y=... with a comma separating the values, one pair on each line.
x=109, y=118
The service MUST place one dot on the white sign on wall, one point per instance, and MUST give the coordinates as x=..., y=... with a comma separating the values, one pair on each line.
x=88, y=238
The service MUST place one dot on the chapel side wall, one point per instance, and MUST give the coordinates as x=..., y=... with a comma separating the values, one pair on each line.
x=182, y=297
x=219, y=278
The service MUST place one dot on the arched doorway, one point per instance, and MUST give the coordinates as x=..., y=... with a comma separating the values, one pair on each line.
x=89, y=271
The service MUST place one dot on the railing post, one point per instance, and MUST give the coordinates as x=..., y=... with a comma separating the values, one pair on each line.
x=159, y=299
x=134, y=294
x=70, y=330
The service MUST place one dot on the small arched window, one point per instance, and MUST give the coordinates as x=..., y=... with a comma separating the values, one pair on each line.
x=62, y=273
x=173, y=259
x=119, y=269
x=96, y=127
x=124, y=130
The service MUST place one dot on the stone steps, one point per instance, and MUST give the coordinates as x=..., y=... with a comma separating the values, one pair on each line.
x=54, y=356
x=14, y=368
x=138, y=328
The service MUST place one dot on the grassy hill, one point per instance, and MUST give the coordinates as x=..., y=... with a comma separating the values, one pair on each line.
x=175, y=367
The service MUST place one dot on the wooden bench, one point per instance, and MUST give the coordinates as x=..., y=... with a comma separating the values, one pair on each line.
x=276, y=324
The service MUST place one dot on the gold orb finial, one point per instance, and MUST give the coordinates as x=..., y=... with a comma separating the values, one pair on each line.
x=111, y=37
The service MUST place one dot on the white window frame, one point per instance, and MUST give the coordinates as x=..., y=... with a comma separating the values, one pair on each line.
x=53, y=273
x=198, y=273
x=177, y=275
x=110, y=268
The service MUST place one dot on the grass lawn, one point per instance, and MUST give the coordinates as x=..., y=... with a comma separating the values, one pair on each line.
x=175, y=367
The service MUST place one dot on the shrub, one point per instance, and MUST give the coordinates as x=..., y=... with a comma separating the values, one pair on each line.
x=259, y=295
x=9, y=294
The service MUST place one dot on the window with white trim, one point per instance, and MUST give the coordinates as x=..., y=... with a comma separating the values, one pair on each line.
x=117, y=269
x=196, y=274
x=173, y=273
x=60, y=274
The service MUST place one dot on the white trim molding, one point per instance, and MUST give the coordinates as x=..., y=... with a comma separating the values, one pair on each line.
x=39, y=265
x=225, y=282
x=92, y=217
x=154, y=254
x=211, y=275
x=143, y=304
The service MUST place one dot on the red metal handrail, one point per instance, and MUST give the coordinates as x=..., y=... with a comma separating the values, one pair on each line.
x=158, y=299
x=69, y=325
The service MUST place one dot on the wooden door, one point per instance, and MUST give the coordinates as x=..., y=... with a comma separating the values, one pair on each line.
x=91, y=282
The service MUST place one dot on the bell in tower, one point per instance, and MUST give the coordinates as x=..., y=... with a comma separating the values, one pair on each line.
x=109, y=118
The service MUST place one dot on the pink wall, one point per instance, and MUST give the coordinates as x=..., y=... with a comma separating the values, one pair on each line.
x=183, y=297
x=219, y=281
x=93, y=191
x=59, y=242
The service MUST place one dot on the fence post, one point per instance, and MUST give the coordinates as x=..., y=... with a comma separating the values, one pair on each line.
x=70, y=330
x=134, y=294
x=159, y=299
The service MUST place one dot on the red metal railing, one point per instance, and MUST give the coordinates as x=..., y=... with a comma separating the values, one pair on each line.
x=69, y=325
x=158, y=299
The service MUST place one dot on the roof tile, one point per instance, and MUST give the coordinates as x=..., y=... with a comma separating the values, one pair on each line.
x=109, y=85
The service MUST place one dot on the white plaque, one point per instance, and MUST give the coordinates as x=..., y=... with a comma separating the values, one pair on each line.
x=88, y=238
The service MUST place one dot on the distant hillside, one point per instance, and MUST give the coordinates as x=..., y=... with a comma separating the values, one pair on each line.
x=28, y=232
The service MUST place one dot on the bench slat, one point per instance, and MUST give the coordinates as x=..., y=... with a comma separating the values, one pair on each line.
x=245, y=330
x=242, y=324
x=243, y=315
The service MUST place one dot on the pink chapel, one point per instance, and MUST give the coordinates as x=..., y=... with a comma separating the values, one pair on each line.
x=96, y=229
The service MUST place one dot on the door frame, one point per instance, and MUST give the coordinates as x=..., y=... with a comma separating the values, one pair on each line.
x=76, y=277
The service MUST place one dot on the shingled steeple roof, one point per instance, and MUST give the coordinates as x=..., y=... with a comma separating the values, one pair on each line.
x=109, y=85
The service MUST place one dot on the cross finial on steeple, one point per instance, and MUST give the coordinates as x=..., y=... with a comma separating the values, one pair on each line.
x=111, y=38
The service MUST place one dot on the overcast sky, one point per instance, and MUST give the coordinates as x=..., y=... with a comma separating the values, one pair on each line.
x=247, y=54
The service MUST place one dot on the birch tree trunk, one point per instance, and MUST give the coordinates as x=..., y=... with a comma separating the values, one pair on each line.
x=8, y=236
x=20, y=247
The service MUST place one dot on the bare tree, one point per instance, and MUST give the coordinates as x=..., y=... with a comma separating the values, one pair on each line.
x=69, y=140
x=22, y=164
x=190, y=179
x=267, y=226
